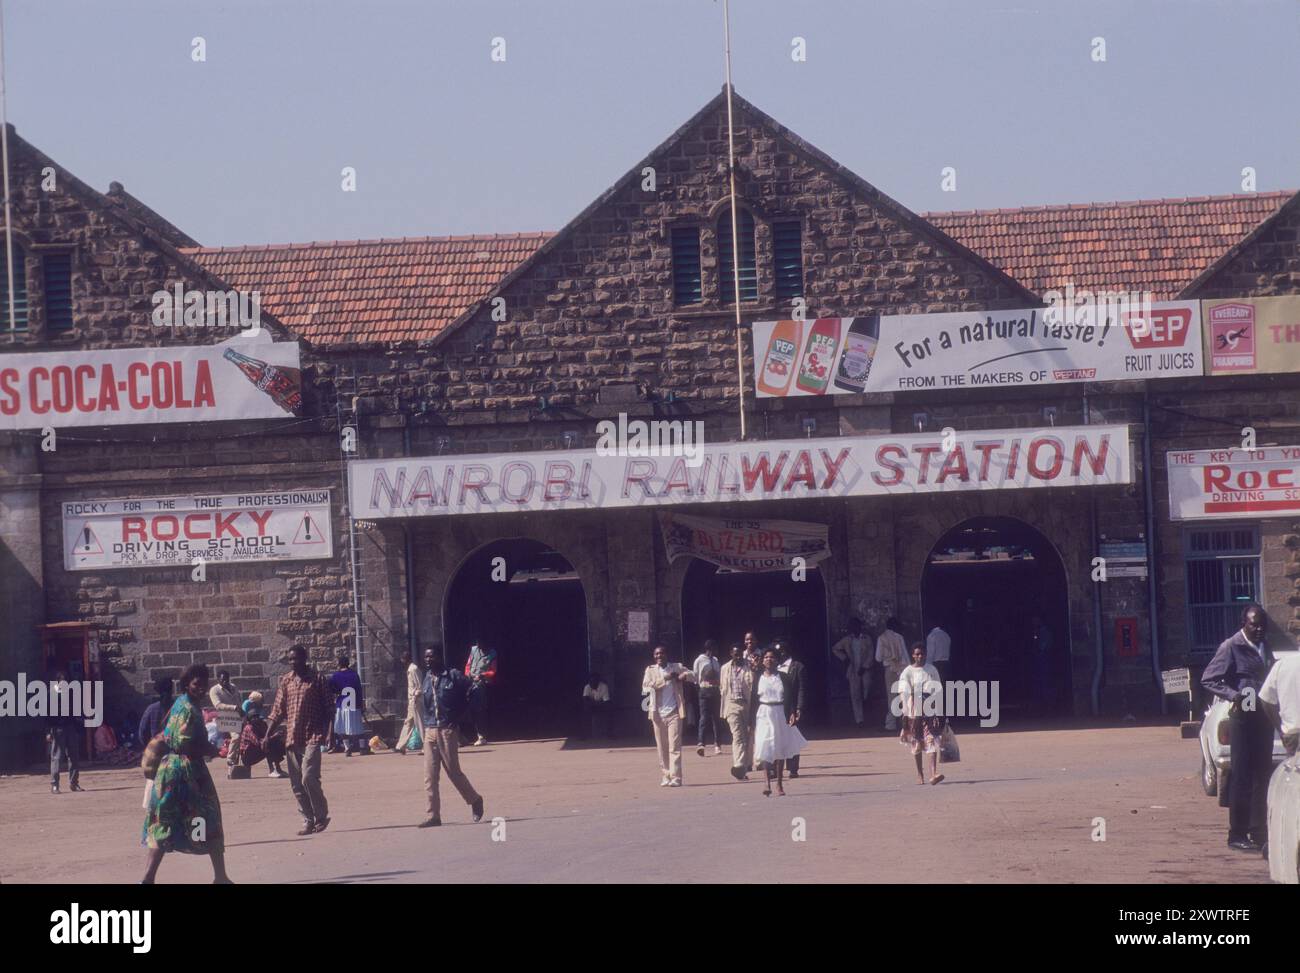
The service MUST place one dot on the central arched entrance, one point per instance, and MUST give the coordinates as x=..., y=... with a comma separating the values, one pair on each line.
x=530, y=607
x=998, y=587
x=724, y=605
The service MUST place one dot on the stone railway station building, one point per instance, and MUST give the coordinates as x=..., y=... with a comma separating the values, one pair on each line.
x=465, y=346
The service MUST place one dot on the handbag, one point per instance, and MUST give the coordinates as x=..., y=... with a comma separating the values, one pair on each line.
x=152, y=757
x=949, y=752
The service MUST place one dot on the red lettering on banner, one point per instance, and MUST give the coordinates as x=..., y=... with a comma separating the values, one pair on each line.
x=107, y=391
x=645, y=468
x=165, y=520
x=678, y=478
x=260, y=521
x=191, y=531
x=985, y=449
x=895, y=467
x=801, y=472
x=954, y=465
x=1215, y=478
x=833, y=466
x=38, y=405
x=226, y=525
x=134, y=372
x=1096, y=463
x=81, y=377
x=771, y=476
x=1058, y=459
x=8, y=387
x=1280, y=479
x=133, y=526
x=1013, y=459
x=178, y=382
x=203, y=392
x=926, y=450
x=563, y=480
x=482, y=477
x=160, y=384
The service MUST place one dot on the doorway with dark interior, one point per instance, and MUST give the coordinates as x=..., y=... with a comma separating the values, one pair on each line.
x=721, y=604
x=998, y=587
x=530, y=607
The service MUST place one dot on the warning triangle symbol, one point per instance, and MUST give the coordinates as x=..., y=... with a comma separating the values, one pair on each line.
x=86, y=542
x=309, y=532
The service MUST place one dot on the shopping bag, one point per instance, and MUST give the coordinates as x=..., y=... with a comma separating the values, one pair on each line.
x=416, y=741
x=949, y=752
x=152, y=756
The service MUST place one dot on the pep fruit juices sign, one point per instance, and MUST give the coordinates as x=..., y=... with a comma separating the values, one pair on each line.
x=819, y=356
x=782, y=351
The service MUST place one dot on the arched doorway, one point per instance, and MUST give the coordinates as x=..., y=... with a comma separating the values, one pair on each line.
x=531, y=608
x=724, y=605
x=998, y=587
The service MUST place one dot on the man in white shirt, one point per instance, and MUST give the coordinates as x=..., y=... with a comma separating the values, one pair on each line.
x=891, y=653
x=1280, y=696
x=938, y=648
x=708, y=671
x=412, y=722
x=595, y=703
x=664, y=681
x=854, y=651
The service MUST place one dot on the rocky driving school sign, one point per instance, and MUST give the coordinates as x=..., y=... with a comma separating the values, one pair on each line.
x=169, y=531
x=986, y=459
x=1223, y=483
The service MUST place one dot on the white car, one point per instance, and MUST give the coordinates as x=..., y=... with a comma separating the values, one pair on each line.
x=1216, y=753
x=1284, y=823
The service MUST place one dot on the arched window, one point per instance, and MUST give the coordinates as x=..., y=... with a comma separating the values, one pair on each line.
x=726, y=262
x=19, y=322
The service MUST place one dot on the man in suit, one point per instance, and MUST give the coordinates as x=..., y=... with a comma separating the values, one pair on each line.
x=734, y=686
x=1236, y=672
x=855, y=652
x=666, y=683
x=793, y=668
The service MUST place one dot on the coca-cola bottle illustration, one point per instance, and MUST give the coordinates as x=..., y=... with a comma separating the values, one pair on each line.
x=283, y=385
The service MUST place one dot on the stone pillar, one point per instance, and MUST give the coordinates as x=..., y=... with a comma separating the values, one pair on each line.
x=22, y=596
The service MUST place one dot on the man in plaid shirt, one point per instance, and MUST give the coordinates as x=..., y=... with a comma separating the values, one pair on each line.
x=304, y=704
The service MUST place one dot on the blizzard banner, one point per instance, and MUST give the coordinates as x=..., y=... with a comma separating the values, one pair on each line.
x=237, y=529
x=780, y=470
x=1221, y=483
x=247, y=377
x=977, y=349
x=745, y=545
x=1253, y=335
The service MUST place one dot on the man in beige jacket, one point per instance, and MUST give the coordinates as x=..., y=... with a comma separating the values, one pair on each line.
x=735, y=685
x=665, y=681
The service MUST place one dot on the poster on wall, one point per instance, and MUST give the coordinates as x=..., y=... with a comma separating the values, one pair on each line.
x=247, y=377
x=745, y=545
x=1208, y=484
x=173, y=531
x=796, y=469
x=1252, y=336
x=976, y=349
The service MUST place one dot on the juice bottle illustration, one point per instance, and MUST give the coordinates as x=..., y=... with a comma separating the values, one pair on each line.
x=819, y=356
x=782, y=353
x=859, y=349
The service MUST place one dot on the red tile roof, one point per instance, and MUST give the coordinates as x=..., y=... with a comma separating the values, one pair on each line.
x=412, y=288
x=371, y=290
x=1159, y=245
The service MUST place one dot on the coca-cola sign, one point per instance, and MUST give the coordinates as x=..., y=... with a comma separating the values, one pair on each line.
x=248, y=377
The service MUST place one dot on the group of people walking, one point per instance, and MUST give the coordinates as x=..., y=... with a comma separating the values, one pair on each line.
x=760, y=694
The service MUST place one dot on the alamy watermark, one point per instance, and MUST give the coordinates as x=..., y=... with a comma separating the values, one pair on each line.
x=952, y=698
x=651, y=437
x=81, y=699
x=181, y=308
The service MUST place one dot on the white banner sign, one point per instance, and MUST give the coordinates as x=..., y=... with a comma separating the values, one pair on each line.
x=745, y=545
x=975, y=349
x=1223, y=483
x=247, y=377
x=172, y=531
x=790, y=469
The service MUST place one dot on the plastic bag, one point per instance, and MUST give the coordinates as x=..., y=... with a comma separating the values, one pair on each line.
x=949, y=752
x=416, y=741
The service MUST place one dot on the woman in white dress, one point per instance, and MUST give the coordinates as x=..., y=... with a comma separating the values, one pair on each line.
x=921, y=732
x=776, y=738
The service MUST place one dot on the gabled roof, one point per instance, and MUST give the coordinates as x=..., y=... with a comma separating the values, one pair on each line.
x=406, y=289
x=1158, y=245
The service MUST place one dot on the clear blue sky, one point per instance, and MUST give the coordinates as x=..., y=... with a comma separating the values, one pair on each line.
x=247, y=147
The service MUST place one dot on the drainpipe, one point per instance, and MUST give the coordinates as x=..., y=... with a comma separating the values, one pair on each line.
x=1151, y=549
x=1099, y=663
x=410, y=556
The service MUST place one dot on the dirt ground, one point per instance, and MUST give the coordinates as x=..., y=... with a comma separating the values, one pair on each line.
x=1019, y=807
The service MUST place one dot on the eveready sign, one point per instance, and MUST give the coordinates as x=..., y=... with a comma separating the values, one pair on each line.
x=1223, y=483
x=788, y=469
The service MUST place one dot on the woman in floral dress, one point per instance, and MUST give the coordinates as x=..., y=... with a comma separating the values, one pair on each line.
x=183, y=812
x=921, y=731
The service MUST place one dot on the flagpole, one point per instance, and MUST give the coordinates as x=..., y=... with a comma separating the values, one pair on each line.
x=735, y=233
x=4, y=164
